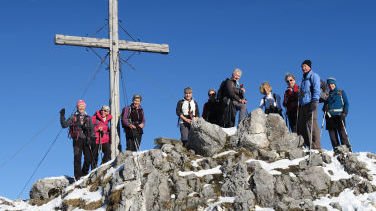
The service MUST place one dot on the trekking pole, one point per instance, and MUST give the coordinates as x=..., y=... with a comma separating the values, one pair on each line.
x=311, y=139
x=322, y=125
x=134, y=138
x=100, y=145
x=344, y=127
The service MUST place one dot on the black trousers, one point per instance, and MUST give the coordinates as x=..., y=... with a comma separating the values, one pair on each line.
x=106, y=149
x=292, y=115
x=335, y=127
x=80, y=146
x=133, y=137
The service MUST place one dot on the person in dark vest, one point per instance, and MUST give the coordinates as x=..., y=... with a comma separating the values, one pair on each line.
x=336, y=108
x=81, y=130
x=186, y=110
x=211, y=108
x=134, y=121
x=101, y=121
x=309, y=95
x=290, y=101
x=231, y=97
x=270, y=102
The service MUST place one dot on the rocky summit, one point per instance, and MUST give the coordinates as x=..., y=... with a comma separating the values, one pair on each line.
x=257, y=166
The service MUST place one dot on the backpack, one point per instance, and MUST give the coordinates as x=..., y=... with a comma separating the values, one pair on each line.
x=324, y=90
x=220, y=93
x=74, y=131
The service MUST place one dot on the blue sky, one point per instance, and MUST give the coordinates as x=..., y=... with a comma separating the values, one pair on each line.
x=207, y=39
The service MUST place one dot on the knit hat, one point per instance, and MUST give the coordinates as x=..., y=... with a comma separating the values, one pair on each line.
x=307, y=62
x=331, y=81
x=81, y=102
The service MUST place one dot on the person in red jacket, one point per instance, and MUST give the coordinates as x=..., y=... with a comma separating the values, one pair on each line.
x=290, y=101
x=100, y=120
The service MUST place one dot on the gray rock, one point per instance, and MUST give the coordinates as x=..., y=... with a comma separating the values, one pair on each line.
x=49, y=188
x=313, y=160
x=253, y=141
x=341, y=149
x=287, y=142
x=276, y=128
x=353, y=166
x=304, y=204
x=295, y=154
x=320, y=208
x=326, y=158
x=268, y=155
x=262, y=185
x=244, y=200
x=336, y=205
x=205, y=138
x=317, y=179
x=236, y=181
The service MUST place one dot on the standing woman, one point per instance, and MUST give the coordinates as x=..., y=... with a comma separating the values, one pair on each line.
x=290, y=101
x=271, y=102
x=337, y=108
x=186, y=110
x=100, y=120
x=134, y=121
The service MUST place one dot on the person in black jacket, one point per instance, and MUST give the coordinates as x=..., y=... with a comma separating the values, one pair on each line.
x=81, y=130
x=211, y=108
x=231, y=94
x=187, y=110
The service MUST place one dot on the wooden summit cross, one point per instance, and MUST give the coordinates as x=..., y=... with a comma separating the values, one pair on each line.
x=114, y=45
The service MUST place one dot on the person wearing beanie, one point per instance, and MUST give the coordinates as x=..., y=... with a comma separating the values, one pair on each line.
x=336, y=108
x=81, y=130
x=101, y=120
x=309, y=95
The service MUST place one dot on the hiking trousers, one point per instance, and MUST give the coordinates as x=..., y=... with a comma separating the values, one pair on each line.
x=106, y=149
x=336, y=128
x=184, y=132
x=292, y=115
x=305, y=125
x=79, y=147
x=133, y=137
x=242, y=108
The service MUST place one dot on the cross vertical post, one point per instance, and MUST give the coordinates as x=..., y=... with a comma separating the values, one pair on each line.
x=114, y=75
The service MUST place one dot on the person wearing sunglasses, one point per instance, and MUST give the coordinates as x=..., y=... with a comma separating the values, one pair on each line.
x=290, y=101
x=211, y=108
x=101, y=120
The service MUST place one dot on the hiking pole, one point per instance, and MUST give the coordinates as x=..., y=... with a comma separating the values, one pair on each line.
x=311, y=139
x=322, y=125
x=344, y=127
x=100, y=145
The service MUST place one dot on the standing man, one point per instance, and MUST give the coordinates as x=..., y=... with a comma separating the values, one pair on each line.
x=81, y=130
x=134, y=121
x=337, y=108
x=309, y=96
x=211, y=108
x=187, y=110
x=231, y=92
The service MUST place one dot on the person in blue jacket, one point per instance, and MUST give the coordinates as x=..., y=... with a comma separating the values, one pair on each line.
x=337, y=108
x=309, y=95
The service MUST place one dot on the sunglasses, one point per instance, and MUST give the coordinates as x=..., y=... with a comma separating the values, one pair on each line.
x=213, y=94
x=105, y=110
x=290, y=80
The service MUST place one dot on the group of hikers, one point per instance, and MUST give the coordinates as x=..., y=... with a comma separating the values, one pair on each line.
x=91, y=134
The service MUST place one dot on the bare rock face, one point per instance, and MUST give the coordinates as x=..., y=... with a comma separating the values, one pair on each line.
x=205, y=138
x=49, y=188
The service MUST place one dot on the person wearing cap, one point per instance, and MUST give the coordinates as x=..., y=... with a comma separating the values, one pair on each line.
x=336, y=108
x=290, y=101
x=186, y=110
x=211, y=108
x=133, y=120
x=101, y=120
x=309, y=95
x=81, y=130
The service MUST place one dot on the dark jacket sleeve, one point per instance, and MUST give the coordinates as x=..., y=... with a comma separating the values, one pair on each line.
x=232, y=91
x=197, y=113
x=179, y=110
x=205, y=111
x=345, y=102
x=124, y=118
x=91, y=127
x=66, y=123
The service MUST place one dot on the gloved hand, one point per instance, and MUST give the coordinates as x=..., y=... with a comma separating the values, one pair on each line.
x=325, y=107
x=62, y=112
x=343, y=115
x=312, y=106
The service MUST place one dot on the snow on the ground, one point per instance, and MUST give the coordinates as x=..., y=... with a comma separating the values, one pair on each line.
x=85, y=195
x=230, y=131
x=348, y=201
x=195, y=162
x=201, y=173
x=224, y=153
x=338, y=171
x=282, y=164
x=220, y=201
x=263, y=209
x=371, y=165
